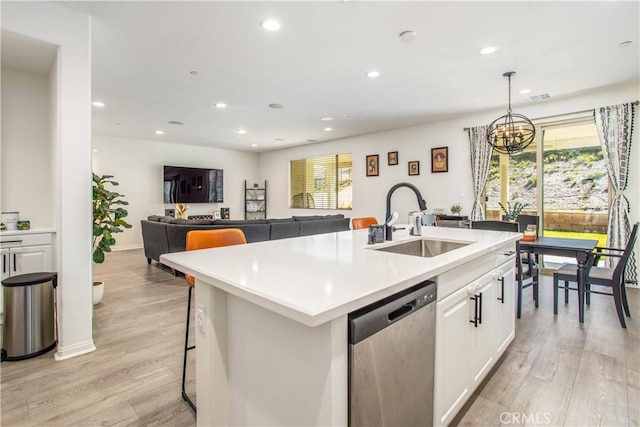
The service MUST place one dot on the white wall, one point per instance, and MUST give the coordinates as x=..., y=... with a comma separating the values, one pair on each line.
x=440, y=190
x=137, y=166
x=71, y=150
x=26, y=147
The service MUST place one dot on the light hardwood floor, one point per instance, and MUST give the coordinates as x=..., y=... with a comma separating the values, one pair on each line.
x=556, y=372
x=133, y=378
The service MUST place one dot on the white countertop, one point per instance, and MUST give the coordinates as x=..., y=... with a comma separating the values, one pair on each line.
x=315, y=279
x=36, y=230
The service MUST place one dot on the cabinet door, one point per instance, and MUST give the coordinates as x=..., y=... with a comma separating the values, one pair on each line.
x=453, y=334
x=6, y=268
x=482, y=344
x=505, y=306
x=6, y=263
x=31, y=259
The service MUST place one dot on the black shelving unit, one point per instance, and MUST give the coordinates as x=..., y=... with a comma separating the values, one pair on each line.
x=255, y=201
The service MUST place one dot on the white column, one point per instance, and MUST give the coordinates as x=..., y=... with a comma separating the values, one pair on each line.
x=70, y=31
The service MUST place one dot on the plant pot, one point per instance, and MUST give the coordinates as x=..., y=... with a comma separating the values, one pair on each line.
x=98, y=292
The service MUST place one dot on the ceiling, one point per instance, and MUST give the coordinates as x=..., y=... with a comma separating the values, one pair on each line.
x=155, y=62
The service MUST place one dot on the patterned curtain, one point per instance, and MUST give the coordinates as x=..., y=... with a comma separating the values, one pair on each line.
x=615, y=124
x=480, y=158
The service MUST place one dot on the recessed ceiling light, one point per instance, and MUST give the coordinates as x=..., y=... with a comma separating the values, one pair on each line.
x=221, y=105
x=625, y=44
x=326, y=119
x=98, y=104
x=254, y=145
x=407, y=35
x=488, y=50
x=524, y=91
x=159, y=132
x=275, y=106
x=373, y=74
x=328, y=129
x=242, y=131
x=270, y=25
x=343, y=115
x=176, y=122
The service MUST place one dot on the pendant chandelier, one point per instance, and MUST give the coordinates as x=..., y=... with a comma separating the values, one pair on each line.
x=511, y=133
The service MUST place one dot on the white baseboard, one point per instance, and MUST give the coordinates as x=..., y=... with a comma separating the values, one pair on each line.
x=74, y=350
x=126, y=248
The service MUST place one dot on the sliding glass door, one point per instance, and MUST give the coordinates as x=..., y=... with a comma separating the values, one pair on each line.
x=575, y=186
x=561, y=177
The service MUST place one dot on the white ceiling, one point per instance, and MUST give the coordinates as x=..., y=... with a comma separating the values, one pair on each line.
x=315, y=65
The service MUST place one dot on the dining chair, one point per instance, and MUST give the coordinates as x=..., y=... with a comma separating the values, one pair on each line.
x=204, y=239
x=525, y=220
x=364, y=222
x=526, y=266
x=529, y=260
x=612, y=277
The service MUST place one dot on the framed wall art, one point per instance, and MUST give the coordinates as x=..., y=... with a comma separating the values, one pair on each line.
x=440, y=159
x=414, y=168
x=392, y=158
x=372, y=165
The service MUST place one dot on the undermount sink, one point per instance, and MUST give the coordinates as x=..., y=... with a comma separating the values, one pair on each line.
x=424, y=247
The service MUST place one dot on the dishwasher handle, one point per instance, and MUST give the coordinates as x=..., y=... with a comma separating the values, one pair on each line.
x=401, y=312
x=377, y=316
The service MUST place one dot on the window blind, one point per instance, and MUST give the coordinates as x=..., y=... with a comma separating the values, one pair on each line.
x=322, y=182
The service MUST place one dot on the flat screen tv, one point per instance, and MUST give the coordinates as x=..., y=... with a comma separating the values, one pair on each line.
x=192, y=185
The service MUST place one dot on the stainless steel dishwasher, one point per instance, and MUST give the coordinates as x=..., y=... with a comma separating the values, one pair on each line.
x=391, y=360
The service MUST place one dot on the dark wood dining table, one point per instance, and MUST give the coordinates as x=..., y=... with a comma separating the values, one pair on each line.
x=560, y=246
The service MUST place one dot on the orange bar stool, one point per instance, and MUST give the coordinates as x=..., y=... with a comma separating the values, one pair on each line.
x=364, y=222
x=204, y=239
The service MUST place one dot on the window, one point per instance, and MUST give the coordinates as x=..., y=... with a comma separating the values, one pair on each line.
x=323, y=182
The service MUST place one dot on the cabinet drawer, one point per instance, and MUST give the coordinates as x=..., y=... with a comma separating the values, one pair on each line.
x=17, y=240
x=452, y=280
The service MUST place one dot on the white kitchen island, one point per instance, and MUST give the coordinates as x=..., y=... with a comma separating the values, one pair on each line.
x=271, y=348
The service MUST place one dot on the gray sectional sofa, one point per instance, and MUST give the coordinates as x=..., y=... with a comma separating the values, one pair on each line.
x=163, y=234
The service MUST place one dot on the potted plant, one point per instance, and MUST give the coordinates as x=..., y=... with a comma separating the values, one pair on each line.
x=456, y=209
x=108, y=218
x=512, y=212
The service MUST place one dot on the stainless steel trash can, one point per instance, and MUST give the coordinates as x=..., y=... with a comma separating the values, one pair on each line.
x=29, y=322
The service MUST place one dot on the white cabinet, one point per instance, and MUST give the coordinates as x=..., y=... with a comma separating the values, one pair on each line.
x=453, y=335
x=482, y=345
x=474, y=325
x=505, y=284
x=21, y=253
x=22, y=260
